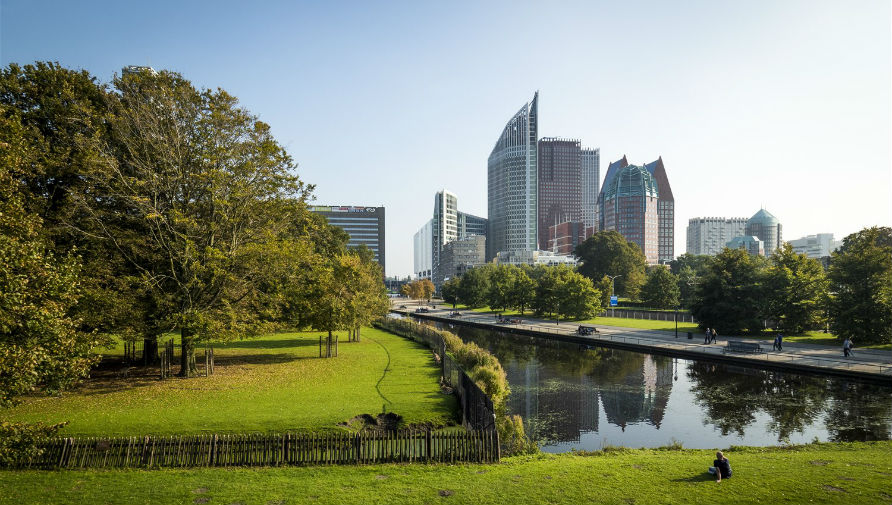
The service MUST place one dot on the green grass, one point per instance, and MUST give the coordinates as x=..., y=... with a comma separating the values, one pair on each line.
x=820, y=473
x=273, y=383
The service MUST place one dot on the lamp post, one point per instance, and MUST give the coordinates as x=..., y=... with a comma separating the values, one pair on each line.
x=676, y=321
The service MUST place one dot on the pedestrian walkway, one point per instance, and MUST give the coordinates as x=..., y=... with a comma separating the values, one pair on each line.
x=869, y=363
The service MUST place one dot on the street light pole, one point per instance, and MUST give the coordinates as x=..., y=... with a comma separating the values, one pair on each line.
x=613, y=285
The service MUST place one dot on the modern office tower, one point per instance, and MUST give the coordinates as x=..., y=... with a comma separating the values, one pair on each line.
x=423, y=256
x=629, y=203
x=612, y=169
x=460, y=255
x=445, y=224
x=766, y=228
x=709, y=235
x=591, y=179
x=560, y=185
x=748, y=243
x=511, y=184
x=469, y=224
x=666, y=211
x=365, y=225
x=564, y=237
x=816, y=246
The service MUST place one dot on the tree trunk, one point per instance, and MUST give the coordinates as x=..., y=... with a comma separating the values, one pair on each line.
x=149, y=351
x=356, y=333
x=187, y=353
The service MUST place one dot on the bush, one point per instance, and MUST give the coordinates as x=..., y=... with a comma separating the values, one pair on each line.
x=18, y=441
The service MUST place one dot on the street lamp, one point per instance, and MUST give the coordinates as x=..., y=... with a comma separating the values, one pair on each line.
x=613, y=285
x=676, y=320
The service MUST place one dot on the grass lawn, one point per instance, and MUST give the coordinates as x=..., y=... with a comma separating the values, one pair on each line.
x=273, y=383
x=820, y=473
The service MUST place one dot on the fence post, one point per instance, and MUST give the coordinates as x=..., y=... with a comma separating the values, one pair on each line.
x=427, y=444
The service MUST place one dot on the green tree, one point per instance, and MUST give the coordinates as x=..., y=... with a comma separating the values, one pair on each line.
x=523, y=291
x=200, y=191
x=689, y=268
x=661, y=289
x=579, y=299
x=449, y=291
x=861, y=287
x=794, y=291
x=603, y=286
x=502, y=279
x=473, y=286
x=608, y=253
x=728, y=295
x=427, y=289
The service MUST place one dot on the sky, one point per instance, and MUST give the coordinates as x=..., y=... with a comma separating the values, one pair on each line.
x=775, y=104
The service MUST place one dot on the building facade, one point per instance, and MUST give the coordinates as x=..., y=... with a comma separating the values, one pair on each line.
x=816, y=246
x=563, y=238
x=460, y=255
x=709, y=235
x=423, y=241
x=630, y=203
x=748, y=243
x=560, y=185
x=512, y=171
x=365, y=225
x=447, y=225
x=591, y=185
x=764, y=226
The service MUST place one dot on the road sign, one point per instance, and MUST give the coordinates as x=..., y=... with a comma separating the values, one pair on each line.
x=613, y=300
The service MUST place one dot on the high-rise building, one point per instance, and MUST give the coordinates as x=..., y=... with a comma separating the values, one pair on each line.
x=709, y=235
x=591, y=179
x=816, y=246
x=748, y=243
x=637, y=221
x=563, y=238
x=629, y=201
x=560, y=185
x=365, y=225
x=764, y=226
x=447, y=225
x=512, y=184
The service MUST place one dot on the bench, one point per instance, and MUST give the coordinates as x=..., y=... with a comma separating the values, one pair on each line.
x=737, y=346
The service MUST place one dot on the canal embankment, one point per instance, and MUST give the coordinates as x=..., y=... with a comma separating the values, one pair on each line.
x=873, y=365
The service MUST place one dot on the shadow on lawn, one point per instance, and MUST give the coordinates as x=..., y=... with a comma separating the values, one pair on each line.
x=267, y=344
x=700, y=477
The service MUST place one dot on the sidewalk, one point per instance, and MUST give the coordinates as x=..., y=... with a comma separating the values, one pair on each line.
x=816, y=358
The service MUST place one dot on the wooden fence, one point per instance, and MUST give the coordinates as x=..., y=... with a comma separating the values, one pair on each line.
x=405, y=446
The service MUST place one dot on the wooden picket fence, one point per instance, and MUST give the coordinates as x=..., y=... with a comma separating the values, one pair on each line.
x=404, y=446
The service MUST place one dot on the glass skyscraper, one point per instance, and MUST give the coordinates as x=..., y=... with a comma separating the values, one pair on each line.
x=512, y=202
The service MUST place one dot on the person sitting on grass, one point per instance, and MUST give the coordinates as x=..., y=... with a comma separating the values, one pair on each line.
x=721, y=467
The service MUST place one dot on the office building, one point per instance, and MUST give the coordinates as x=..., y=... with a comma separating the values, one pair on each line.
x=564, y=237
x=635, y=219
x=512, y=186
x=764, y=226
x=423, y=256
x=709, y=235
x=560, y=185
x=447, y=225
x=748, y=243
x=460, y=255
x=365, y=225
x=591, y=186
x=547, y=258
x=816, y=246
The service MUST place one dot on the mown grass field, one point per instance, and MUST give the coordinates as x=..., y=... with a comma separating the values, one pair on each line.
x=273, y=383
x=820, y=473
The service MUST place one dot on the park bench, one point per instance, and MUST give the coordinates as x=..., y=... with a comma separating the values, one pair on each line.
x=737, y=346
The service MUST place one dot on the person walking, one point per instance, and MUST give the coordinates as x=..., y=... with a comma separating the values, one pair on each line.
x=780, y=341
x=707, y=336
x=774, y=344
x=714, y=336
x=847, y=347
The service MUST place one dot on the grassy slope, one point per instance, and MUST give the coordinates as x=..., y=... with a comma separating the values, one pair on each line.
x=273, y=383
x=823, y=473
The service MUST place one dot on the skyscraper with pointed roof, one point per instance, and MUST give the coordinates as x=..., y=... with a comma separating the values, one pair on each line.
x=512, y=184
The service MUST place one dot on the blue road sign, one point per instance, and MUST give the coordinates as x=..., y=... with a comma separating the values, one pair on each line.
x=613, y=300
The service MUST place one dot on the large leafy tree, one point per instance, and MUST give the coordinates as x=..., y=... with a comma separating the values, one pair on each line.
x=523, y=290
x=449, y=291
x=794, y=290
x=580, y=299
x=661, y=289
x=861, y=286
x=502, y=279
x=688, y=268
x=608, y=253
x=728, y=295
x=199, y=192
x=473, y=286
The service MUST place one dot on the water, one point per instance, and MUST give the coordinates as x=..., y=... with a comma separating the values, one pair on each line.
x=571, y=396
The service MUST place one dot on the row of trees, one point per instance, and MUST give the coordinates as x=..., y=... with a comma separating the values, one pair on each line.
x=546, y=290
x=148, y=206
x=421, y=289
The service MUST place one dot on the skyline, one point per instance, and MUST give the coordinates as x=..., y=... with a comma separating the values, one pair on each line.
x=779, y=106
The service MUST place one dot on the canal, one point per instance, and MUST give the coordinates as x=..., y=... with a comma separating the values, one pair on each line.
x=581, y=397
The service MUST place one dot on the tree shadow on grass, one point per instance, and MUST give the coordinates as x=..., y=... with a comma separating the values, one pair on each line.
x=700, y=477
x=266, y=344
x=257, y=359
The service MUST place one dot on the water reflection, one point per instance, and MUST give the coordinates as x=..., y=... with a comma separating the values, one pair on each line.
x=575, y=396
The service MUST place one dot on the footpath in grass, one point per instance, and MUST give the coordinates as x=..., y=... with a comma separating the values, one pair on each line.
x=273, y=383
x=821, y=473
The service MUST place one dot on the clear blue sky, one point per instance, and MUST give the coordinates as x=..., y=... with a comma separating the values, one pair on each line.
x=781, y=104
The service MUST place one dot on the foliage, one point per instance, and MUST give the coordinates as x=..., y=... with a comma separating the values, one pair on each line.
x=794, y=291
x=502, y=279
x=861, y=286
x=514, y=438
x=563, y=292
x=473, y=287
x=661, y=289
x=728, y=296
x=420, y=289
x=449, y=291
x=18, y=441
x=523, y=291
x=608, y=253
x=604, y=286
x=689, y=268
